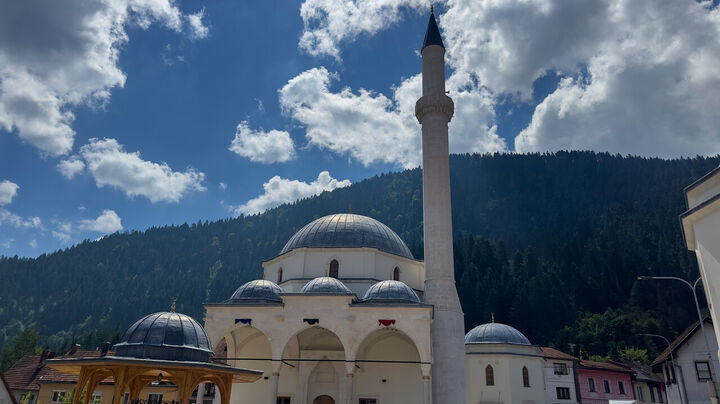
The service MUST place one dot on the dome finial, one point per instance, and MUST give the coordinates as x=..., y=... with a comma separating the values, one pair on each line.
x=350, y=208
x=172, y=305
x=492, y=317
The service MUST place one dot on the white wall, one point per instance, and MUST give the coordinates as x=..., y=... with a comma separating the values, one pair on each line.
x=685, y=357
x=553, y=381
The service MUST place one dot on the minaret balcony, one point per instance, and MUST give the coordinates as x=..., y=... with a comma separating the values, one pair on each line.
x=434, y=103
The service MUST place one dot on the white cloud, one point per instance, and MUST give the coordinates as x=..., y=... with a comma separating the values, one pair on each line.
x=198, y=29
x=274, y=146
x=326, y=23
x=19, y=222
x=638, y=76
x=8, y=242
x=33, y=243
x=371, y=127
x=222, y=186
x=107, y=222
x=55, y=56
x=64, y=237
x=110, y=165
x=278, y=191
x=70, y=167
x=8, y=190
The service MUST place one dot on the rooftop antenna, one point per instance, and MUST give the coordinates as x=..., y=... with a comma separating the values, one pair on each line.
x=172, y=306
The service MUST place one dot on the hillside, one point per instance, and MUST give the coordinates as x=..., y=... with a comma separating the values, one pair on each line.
x=551, y=243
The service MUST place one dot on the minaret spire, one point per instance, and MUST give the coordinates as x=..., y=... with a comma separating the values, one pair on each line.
x=434, y=111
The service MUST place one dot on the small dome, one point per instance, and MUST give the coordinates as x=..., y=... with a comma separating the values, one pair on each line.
x=390, y=292
x=348, y=230
x=495, y=333
x=258, y=291
x=166, y=336
x=326, y=285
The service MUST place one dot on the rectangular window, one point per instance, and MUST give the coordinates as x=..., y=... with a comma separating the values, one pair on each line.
x=154, y=398
x=591, y=384
x=640, y=396
x=95, y=399
x=621, y=388
x=283, y=400
x=560, y=368
x=652, y=394
x=368, y=401
x=703, y=371
x=563, y=393
x=606, y=385
x=58, y=396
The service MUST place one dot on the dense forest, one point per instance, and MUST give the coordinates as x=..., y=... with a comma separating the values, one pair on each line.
x=552, y=244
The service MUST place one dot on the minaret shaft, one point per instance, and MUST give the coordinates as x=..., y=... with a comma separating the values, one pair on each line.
x=434, y=111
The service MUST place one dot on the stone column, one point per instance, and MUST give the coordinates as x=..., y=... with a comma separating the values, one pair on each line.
x=349, y=381
x=276, y=364
x=427, y=383
x=199, y=399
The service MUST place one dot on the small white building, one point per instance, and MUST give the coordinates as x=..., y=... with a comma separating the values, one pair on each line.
x=701, y=228
x=688, y=367
x=559, y=376
x=503, y=367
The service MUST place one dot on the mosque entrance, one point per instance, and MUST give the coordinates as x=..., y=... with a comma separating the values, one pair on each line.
x=324, y=400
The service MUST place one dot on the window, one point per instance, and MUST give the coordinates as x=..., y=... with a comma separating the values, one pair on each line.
x=58, y=396
x=640, y=395
x=126, y=398
x=95, y=399
x=621, y=388
x=334, y=269
x=396, y=274
x=154, y=398
x=591, y=384
x=526, y=377
x=560, y=368
x=489, y=376
x=652, y=394
x=703, y=371
x=279, y=275
x=563, y=393
x=606, y=385
x=368, y=401
x=659, y=395
x=283, y=400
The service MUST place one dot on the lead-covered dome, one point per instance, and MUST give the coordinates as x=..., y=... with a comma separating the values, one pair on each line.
x=326, y=285
x=348, y=230
x=166, y=336
x=258, y=291
x=390, y=292
x=495, y=333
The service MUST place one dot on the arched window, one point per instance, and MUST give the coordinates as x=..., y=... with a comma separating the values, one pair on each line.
x=489, y=376
x=279, y=275
x=526, y=377
x=334, y=269
x=396, y=274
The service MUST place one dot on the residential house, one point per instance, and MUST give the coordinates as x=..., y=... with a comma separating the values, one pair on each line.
x=647, y=386
x=6, y=396
x=689, y=366
x=600, y=382
x=560, y=373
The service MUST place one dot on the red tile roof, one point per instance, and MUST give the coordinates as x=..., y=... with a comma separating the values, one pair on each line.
x=30, y=370
x=552, y=353
x=604, y=366
x=679, y=340
x=7, y=387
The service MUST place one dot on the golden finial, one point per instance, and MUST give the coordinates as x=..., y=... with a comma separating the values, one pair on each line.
x=172, y=306
x=350, y=208
x=492, y=317
x=432, y=8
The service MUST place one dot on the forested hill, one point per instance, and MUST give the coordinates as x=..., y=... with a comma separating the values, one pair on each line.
x=552, y=244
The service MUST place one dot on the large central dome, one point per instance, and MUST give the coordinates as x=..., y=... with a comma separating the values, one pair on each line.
x=348, y=230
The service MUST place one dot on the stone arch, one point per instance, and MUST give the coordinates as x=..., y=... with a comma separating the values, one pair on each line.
x=250, y=347
x=420, y=345
x=220, y=351
x=389, y=360
x=334, y=268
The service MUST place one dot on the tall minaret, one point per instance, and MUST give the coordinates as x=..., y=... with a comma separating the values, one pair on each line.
x=434, y=110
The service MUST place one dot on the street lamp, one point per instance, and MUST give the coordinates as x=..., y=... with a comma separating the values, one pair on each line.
x=693, y=287
x=672, y=363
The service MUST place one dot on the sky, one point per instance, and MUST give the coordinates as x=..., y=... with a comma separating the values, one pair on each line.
x=118, y=115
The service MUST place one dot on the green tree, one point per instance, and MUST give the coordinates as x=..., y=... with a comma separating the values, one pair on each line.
x=634, y=354
x=24, y=343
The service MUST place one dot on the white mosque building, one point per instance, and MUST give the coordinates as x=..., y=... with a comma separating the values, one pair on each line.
x=345, y=313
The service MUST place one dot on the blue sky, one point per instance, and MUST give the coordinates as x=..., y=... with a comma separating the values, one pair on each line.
x=125, y=116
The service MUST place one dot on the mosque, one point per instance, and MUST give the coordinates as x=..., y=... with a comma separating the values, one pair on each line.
x=345, y=313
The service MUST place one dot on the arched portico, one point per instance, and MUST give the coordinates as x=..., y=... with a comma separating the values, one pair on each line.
x=249, y=347
x=388, y=366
